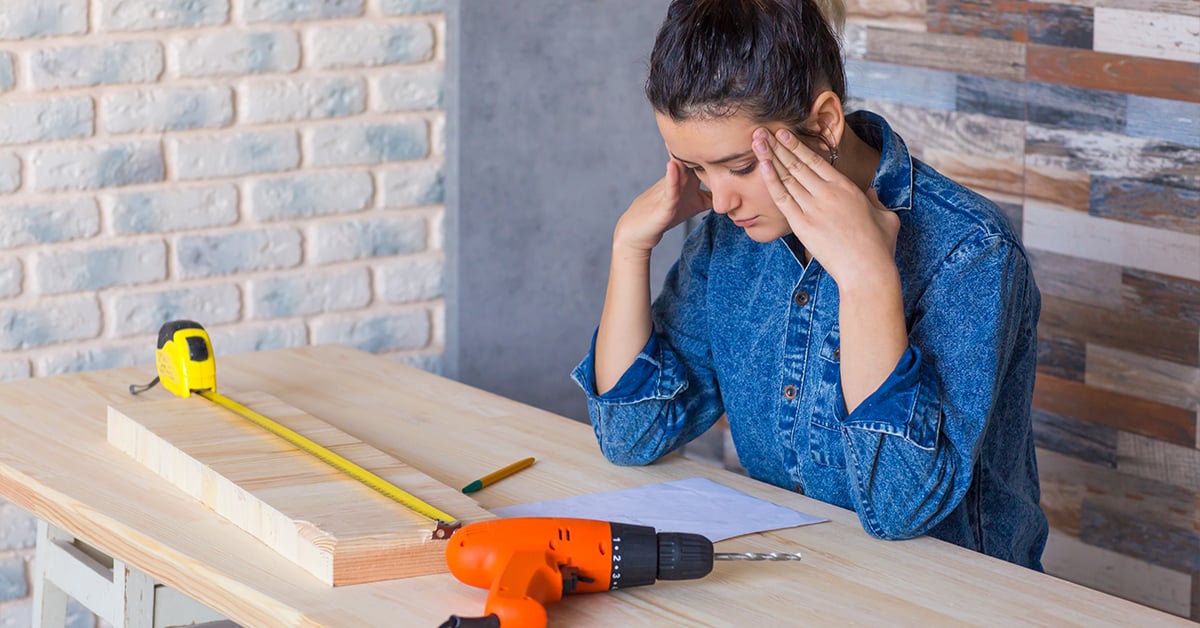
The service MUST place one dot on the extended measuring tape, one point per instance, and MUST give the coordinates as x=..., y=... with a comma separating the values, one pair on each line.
x=185, y=364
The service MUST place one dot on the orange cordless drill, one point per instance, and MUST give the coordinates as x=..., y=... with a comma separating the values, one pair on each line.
x=525, y=563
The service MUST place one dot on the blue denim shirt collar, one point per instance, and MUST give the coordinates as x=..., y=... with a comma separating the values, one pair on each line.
x=894, y=176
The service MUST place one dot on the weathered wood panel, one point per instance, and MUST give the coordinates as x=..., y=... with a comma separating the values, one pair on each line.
x=965, y=55
x=1076, y=278
x=999, y=98
x=1068, y=399
x=1175, y=121
x=1062, y=357
x=1141, y=202
x=1068, y=232
x=1160, y=461
x=1059, y=25
x=1112, y=72
x=994, y=20
x=1067, y=107
x=1096, y=444
x=1065, y=188
x=1146, y=334
x=1158, y=380
x=1112, y=155
x=1140, y=537
x=1147, y=34
x=1162, y=295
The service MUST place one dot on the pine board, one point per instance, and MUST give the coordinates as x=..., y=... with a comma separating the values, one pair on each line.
x=337, y=529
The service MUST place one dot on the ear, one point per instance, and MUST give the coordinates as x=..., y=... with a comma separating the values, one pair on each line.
x=828, y=118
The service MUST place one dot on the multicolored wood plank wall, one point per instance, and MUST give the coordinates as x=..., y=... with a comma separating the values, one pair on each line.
x=1081, y=118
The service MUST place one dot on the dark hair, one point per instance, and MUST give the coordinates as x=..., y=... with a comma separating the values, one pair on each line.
x=766, y=58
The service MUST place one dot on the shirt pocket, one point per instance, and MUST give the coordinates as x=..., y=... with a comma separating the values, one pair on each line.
x=825, y=443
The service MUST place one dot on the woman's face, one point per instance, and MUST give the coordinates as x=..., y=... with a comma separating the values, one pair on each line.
x=717, y=150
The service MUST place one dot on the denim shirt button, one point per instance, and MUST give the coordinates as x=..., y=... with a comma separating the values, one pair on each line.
x=837, y=353
x=801, y=298
x=789, y=391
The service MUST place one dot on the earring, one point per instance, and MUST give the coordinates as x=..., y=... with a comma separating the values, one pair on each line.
x=833, y=155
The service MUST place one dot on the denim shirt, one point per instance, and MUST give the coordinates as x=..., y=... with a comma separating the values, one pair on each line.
x=943, y=447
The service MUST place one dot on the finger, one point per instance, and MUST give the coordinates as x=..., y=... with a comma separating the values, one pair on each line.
x=766, y=147
x=813, y=161
x=770, y=170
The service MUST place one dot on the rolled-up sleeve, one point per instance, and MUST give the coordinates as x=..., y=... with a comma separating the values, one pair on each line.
x=669, y=395
x=912, y=444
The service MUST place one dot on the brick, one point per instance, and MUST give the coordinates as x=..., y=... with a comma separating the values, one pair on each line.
x=412, y=185
x=77, y=270
x=132, y=314
x=84, y=66
x=377, y=237
x=284, y=100
x=236, y=252
x=10, y=173
x=97, y=166
x=80, y=360
x=428, y=362
x=27, y=121
x=24, y=19
x=58, y=221
x=412, y=7
x=14, y=585
x=11, y=276
x=18, y=529
x=288, y=10
x=17, y=614
x=411, y=279
x=235, y=155
x=11, y=370
x=167, y=109
x=174, y=209
x=233, y=53
x=310, y=293
x=377, y=333
x=140, y=15
x=244, y=337
x=370, y=45
x=437, y=232
x=49, y=322
x=6, y=72
x=310, y=195
x=417, y=89
x=345, y=145
x=439, y=134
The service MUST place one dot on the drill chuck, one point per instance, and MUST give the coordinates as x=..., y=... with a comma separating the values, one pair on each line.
x=640, y=556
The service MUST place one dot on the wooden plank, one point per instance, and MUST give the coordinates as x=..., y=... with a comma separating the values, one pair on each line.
x=953, y=132
x=1166, y=504
x=1060, y=25
x=998, y=98
x=1067, y=107
x=1170, y=120
x=1145, y=334
x=1167, y=546
x=1147, y=203
x=1160, y=461
x=920, y=87
x=1179, y=7
x=1061, y=357
x=886, y=9
x=1089, y=442
x=1132, y=373
x=1119, y=73
x=1103, y=570
x=1161, y=295
x=1061, y=230
x=954, y=53
x=994, y=20
x=1076, y=278
x=1147, y=34
x=1065, y=188
x=1112, y=155
x=1075, y=400
x=334, y=527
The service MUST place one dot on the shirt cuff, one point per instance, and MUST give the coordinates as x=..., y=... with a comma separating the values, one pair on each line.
x=905, y=404
x=655, y=374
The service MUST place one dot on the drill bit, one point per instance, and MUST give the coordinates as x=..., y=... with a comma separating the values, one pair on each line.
x=755, y=556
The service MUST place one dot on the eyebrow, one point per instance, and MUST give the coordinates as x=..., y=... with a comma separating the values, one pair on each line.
x=734, y=157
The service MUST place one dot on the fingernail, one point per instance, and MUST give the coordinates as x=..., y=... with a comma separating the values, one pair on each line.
x=760, y=133
x=782, y=134
x=759, y=146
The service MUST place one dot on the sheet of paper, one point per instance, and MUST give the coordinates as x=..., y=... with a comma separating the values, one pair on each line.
x=696, y=505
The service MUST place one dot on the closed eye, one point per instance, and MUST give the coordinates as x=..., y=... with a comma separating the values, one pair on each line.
x=741, y=172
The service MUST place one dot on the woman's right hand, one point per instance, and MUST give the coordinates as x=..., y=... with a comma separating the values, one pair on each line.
x=672, y=200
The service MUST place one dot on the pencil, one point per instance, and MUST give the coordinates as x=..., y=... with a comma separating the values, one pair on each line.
x=496, y=476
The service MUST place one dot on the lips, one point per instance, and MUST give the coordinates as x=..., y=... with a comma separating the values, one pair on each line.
x=745, y=223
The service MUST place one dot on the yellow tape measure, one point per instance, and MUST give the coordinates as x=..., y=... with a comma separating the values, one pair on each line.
x=185, y=364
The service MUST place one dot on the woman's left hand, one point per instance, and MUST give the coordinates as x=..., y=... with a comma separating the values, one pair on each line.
x=851, y=234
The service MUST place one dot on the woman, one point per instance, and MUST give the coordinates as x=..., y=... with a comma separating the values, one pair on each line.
x=867, y=325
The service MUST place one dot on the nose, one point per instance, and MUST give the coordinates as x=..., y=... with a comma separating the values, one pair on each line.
x=725, y=196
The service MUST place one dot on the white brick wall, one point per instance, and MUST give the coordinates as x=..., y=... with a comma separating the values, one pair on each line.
x=270, y=168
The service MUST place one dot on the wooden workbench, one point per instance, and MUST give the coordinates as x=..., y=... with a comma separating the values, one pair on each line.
x=54, y=462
